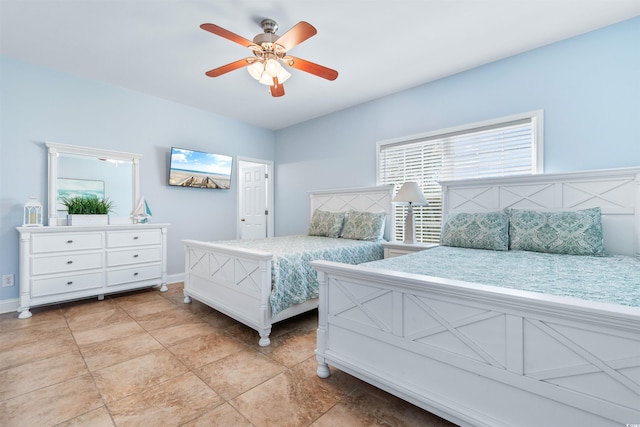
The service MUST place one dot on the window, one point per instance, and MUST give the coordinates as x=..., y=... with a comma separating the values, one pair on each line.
x=501, y=147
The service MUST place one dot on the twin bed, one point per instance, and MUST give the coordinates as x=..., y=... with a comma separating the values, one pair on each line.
x=503, y=337
x=261, y=282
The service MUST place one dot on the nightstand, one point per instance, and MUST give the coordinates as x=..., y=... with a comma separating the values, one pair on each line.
x=394, y=249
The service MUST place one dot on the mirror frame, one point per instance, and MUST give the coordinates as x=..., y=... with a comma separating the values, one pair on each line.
x=55, y=149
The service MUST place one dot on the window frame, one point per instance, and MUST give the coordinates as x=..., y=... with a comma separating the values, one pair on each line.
x=537, y=153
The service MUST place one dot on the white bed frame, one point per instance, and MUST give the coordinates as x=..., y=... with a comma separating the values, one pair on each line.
x=485, y=356
x=237, y=282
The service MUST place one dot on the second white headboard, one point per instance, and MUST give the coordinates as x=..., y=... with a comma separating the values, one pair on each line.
x=615, y=191
x=369, y=199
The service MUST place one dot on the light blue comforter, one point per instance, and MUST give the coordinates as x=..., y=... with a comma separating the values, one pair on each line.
x=293, y=279
x=610, y=279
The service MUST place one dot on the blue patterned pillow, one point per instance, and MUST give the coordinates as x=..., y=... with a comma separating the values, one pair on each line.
x=325, y=223
x=364, y=225
x=567, y=232
x=481, y=230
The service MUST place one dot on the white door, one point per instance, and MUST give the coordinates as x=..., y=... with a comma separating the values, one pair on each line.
x=253, y=215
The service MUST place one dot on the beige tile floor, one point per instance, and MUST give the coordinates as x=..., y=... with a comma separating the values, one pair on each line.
x=146, y=358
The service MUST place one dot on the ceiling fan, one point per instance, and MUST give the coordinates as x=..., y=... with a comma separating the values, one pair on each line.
x=269, y=51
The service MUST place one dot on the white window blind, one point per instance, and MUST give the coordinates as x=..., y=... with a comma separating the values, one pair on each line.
x=502, y=147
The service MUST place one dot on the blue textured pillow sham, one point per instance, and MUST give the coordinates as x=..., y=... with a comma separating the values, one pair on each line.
x=481, y=230
x=566, y=232
x=326, y=224
x=361, y=225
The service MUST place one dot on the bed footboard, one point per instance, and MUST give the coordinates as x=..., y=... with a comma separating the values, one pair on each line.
x=479, y=355
x=236, y=282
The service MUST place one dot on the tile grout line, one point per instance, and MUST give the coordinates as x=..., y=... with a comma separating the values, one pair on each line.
x=104, y=403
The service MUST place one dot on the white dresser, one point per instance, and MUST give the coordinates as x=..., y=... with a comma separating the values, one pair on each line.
x=72, y=262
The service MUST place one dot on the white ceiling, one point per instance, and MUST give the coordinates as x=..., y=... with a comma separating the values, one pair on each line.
x=378, y=47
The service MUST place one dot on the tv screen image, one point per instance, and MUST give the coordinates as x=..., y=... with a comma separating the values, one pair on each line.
x=198, y=169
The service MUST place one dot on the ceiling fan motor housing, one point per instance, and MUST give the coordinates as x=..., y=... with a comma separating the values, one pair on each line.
x=263, y=38
x=269, y=26
x=267, y=39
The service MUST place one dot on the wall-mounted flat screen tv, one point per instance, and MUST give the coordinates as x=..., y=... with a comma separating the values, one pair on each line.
x=189, y=168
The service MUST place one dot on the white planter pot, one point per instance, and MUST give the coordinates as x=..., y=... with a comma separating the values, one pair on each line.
x=87, y=219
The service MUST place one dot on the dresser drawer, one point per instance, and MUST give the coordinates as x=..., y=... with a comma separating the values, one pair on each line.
x=69, y=283
x=134, y=274
x=65, y=263
x=59, y=242
x=134, y=256
x=119, y=239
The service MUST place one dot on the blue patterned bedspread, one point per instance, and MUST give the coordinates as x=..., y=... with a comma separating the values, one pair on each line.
x=611, y=279
x=293, y=279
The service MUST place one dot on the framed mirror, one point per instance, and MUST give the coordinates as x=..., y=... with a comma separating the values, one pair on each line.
x=76, y=170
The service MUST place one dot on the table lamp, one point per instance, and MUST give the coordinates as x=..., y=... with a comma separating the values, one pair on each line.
x=410, y=194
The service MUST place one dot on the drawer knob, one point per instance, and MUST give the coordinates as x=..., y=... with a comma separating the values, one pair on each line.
x=135, y=256
x=69, y=262
x=135, y=237
x=135, y=274
x=69, y=283
x=69, y=241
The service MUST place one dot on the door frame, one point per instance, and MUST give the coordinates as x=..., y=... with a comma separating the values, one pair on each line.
x=248, y=162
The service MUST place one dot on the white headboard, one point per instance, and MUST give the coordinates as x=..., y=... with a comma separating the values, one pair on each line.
x=369, y=199
x=615, y=191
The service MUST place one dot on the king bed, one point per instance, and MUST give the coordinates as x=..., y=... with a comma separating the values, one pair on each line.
x=261, y=282
x=529, y=333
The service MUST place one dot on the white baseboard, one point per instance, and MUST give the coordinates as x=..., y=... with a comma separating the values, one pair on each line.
x=9, y=305
x=175, y=278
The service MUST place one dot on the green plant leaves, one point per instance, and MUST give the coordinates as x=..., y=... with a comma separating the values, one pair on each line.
x=87, y=205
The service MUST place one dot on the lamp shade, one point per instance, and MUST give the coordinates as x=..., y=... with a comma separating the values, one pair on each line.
x=410, y=193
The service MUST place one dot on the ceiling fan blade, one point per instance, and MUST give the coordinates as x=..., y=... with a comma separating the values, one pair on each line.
x=229, y=67
x=277, y=88
x=296, y=35
x=219, y=31
x=310, y=67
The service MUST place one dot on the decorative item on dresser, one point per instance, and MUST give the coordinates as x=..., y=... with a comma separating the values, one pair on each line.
x=142, y=212
x=66, y=263
x=87, y=210
x=32, y=213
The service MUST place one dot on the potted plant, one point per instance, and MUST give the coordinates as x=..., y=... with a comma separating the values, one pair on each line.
x=87, y=210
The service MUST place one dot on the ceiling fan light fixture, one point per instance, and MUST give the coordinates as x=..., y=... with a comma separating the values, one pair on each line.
x=272, y=67
x=283, y=75
x=256, y=69
x=267, y=79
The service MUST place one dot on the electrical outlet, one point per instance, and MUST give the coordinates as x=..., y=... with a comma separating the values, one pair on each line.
x=7, y=280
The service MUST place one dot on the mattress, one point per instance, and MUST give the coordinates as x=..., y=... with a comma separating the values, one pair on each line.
x=610, y=279
x=293, y=279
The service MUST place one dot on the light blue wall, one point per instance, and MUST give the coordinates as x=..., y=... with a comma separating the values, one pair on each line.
x=38, y=104
x=588, y=87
